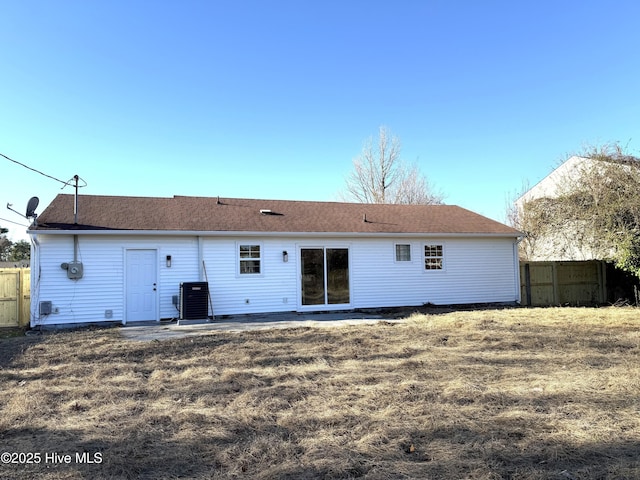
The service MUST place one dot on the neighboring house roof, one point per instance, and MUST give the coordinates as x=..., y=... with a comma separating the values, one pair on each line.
x=549, y=186
x=211, y=214
x=565, y=174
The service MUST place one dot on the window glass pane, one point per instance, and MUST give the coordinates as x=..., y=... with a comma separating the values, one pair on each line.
x=312, y=262
x=249, y=266
x=249, y=251
x=433, y=263
x=433, y=250
x=337, y=275
x=403, y=253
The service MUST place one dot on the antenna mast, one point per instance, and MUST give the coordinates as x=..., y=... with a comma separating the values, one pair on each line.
x=75, y=202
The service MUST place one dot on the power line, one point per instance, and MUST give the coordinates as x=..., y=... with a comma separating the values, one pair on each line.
x=34, y=170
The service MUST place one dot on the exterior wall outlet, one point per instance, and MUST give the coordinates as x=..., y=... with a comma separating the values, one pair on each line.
x=108, y=314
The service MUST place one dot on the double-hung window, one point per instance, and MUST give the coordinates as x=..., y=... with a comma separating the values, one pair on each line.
x=250, y=259
x=433, y=257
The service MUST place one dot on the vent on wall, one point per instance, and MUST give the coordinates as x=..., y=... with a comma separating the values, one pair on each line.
x=45, y=308
x=194, y=301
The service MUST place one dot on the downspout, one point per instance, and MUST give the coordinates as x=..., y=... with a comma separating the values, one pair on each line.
x=75, y=220
x=200, y=258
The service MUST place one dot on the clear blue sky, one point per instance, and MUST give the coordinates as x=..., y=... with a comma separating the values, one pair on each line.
x=274, y=99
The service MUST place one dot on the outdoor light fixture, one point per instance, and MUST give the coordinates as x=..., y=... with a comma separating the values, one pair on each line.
x=168, y=260
x=285, y=256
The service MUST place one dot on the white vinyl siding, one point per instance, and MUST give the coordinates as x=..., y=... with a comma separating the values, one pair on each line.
x=102, y=286
x=478, y=270
x=272, y=291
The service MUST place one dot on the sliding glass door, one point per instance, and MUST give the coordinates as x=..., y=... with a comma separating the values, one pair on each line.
x=325, y=276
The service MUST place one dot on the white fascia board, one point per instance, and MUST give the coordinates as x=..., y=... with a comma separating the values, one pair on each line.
x=198, y=233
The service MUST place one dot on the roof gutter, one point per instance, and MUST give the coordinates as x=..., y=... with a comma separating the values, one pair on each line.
x=191, y=233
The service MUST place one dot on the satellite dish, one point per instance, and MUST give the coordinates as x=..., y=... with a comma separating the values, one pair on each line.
x=31, y=207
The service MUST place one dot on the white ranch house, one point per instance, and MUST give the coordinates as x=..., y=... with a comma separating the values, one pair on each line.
x=123, y=259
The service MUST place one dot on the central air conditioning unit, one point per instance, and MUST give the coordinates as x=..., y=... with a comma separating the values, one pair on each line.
x=194, y=301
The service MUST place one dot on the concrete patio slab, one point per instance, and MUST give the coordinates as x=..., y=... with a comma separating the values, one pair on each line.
x=243, y=323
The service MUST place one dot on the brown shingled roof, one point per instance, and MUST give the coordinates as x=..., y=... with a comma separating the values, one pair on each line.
x=206, y=214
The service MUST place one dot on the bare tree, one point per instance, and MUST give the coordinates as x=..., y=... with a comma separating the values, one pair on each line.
x=380, y=176
x=413, y=188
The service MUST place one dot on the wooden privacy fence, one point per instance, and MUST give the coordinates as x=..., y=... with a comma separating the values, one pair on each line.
x=563, y=283
x=15, y=297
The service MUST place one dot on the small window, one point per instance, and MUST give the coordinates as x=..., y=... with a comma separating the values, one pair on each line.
x=403, y=253
x=433, y=257
x=250, y=259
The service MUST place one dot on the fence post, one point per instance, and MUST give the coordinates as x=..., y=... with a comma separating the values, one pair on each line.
x=24, y=301
x=603, y=281
x=527, y=282
x=554, y=279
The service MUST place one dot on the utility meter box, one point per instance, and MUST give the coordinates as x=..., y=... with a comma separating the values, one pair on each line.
x=74, y=270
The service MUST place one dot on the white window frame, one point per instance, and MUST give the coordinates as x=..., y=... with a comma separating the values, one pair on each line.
x=395, y=253
x=240, y=259
x=442, y=257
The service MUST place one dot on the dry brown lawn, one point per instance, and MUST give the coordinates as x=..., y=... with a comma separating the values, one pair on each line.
x=495, y=394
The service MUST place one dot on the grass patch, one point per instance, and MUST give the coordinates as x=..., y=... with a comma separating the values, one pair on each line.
x=516, y=393
x=10, y=332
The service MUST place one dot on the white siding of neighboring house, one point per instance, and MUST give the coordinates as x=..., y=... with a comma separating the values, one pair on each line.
x=477, y=270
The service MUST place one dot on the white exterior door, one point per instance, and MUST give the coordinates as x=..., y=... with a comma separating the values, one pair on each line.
x=142, y=294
